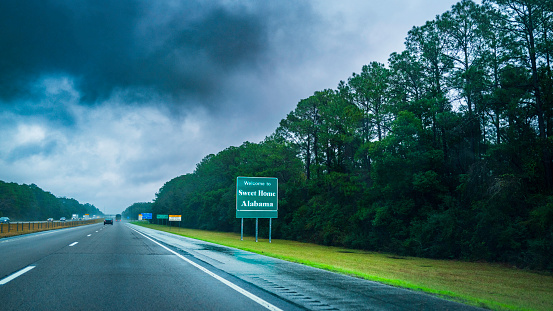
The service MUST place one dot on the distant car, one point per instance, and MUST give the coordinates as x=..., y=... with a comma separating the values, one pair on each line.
x=4, y=220
x=50, y=219
x=62, y=219
x=108, y=221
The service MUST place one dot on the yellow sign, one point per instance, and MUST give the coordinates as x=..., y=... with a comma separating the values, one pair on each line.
x=175, y=217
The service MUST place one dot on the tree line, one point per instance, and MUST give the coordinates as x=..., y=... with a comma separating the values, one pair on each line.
x=137, y=208
x=444, y=152
x=29, y=202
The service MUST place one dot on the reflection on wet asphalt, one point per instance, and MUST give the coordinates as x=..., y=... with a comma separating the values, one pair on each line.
x=308, y=287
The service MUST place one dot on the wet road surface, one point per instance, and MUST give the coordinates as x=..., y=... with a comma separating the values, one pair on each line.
x=310, y=288
x=114, y=267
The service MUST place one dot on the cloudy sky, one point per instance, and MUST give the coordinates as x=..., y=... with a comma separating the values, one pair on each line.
x=105, y=101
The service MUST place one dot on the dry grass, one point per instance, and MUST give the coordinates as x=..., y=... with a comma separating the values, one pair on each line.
x=28, y=227
x=482, y=284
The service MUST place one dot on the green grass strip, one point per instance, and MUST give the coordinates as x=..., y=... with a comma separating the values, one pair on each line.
x=492, y=286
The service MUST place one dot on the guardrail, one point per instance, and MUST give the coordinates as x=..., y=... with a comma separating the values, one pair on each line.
x=23, y=227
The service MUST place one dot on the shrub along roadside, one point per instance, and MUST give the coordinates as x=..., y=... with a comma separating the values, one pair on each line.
x=20, y=228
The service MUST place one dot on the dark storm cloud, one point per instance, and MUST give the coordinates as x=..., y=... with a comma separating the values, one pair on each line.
x=183, y=49
x=32, y=149
x=105, y=101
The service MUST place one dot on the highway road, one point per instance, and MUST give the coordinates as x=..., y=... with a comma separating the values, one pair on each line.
x=111, y=267
x=122, y=266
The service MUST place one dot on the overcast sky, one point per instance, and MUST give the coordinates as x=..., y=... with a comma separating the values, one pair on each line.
x=105, y=101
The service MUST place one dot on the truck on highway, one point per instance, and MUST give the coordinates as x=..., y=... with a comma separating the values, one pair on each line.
x=118, y=217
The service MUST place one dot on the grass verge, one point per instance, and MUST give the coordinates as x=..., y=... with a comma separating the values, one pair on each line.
x=486, y=285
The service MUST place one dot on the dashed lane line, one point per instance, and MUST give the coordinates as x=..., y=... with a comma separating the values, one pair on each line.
x=15, y=275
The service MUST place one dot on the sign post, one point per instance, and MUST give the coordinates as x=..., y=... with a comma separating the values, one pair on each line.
x=162, y=217
x=175, y=218
x=256, y=197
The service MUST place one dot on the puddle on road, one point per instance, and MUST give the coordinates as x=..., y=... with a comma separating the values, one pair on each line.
x=214, y=248
x=235, y=253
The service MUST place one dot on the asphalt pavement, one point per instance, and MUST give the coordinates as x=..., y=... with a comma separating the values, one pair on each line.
x=99, y=267
x=127, y=267
x=308, y=287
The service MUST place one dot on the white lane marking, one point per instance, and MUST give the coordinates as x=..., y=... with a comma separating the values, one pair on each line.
x=96, y=231
x=13, y=276
x=73, y=244
x=89, y=235
x=222, y=280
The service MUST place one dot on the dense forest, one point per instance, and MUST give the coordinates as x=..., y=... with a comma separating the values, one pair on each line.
x=29, y=202
x=444, y=152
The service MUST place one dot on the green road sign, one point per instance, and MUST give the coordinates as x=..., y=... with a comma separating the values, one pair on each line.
x=162, y=216
x=256, y=197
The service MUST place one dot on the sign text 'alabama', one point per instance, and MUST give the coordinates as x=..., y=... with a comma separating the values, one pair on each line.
x=256, y=197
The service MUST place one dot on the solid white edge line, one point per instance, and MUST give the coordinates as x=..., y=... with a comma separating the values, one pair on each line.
x=222, y=280
x=73, y=244
x=13, y=276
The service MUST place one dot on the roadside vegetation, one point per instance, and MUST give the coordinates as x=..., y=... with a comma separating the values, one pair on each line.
x=488, y=285
x=30, y=203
